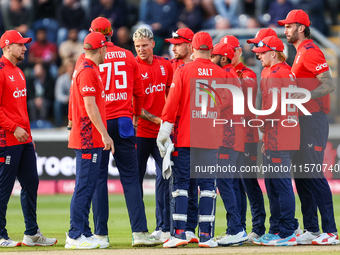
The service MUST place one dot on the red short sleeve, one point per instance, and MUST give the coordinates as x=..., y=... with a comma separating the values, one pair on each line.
x=88, y=82
x=315, y=62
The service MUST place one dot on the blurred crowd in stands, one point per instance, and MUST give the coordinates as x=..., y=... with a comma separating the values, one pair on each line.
x=58, y=28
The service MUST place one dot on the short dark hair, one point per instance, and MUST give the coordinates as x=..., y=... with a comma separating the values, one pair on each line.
x=306, y=32
x=88, y=48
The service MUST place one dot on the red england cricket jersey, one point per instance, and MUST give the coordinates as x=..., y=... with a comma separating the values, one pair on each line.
x=121, y=79
x=249, y=81
x=266, y=70
x=86, y=82
x=284, y=132
x=190, y=86
x=13, y=103
x=176, y=63
x=310, y=62
x=234, y=135
x=156, y=78
x=264, y=74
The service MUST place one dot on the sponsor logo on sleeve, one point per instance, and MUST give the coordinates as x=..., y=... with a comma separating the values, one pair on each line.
x=321, y=66
x=86, y=89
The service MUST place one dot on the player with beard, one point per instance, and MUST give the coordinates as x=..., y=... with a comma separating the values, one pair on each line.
x=17, y=152
x=312, y=71
x=182, y=41
x=194, y=149
x=246, y=183
x=231, y=146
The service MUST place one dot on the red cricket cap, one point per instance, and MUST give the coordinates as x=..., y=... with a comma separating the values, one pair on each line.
x=295, y=16
x=231, y=40
x=202, y=39
x=262, y=33
x=12, y=36
x=96, y=40
x=101, y=25
x=223, y=49
x=182, y=35
x=269, y=43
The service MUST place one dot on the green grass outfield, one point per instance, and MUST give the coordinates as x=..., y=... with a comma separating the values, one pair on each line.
x=54, y=217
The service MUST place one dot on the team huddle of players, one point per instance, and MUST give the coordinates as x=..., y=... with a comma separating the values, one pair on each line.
x=146, y=105
x=163, y=108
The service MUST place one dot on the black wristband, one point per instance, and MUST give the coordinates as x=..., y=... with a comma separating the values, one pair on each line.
x=69, y=128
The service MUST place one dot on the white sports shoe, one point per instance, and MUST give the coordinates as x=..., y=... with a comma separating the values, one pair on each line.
x=157, y=234
x=144, y=239
x=326, y=239
x=165, y=236
x=102, y=244
x=207, y=242
x=298, y=231
x=38, y=240
x=176, y=241
x=191, y=237
x=239, y=238
x=222, y=235
x=8, y=243
x=103, y=238
x=251, y=237
x=80, y=243
x=307, y=237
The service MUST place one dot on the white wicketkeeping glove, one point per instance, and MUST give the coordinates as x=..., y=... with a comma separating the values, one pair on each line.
x=163, y=136
x=167, y=163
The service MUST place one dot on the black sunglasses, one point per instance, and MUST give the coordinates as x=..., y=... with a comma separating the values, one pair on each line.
x=175, y=35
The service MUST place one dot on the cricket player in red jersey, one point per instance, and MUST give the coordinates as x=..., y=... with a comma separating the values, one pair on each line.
x=182, y=48
x=181, y=40
x=261, y=34
x=312, y=71
x=185, y=97
x=248, y=182
x=281, y=138
x=156, y=75
x=122, y=85
x=231, y=145
x=274, y=208
x=17, y=154
x=89, y=138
